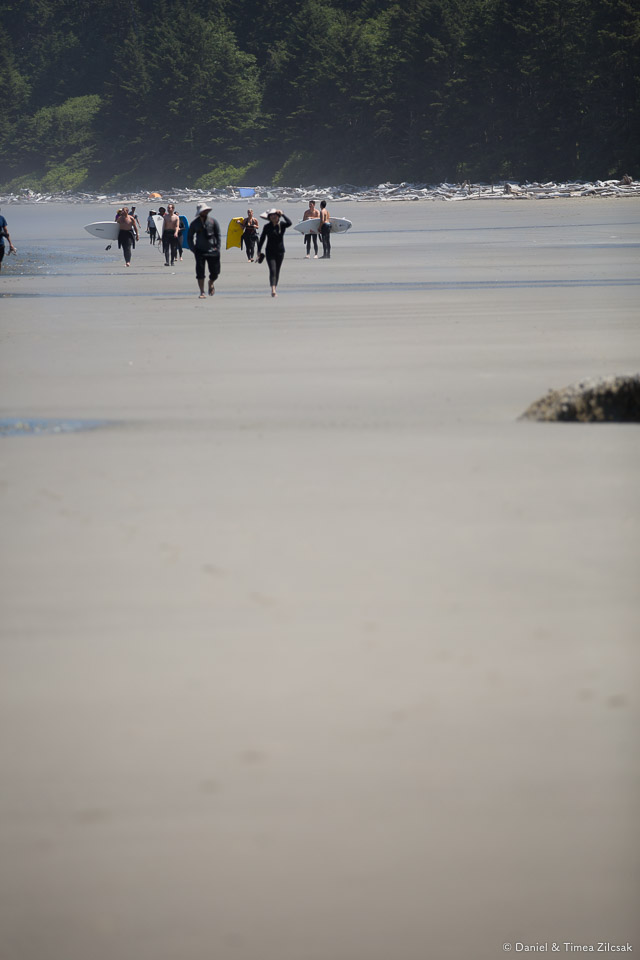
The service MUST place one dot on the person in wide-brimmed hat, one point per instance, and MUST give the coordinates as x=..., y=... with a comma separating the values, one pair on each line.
x=273, y=234
x=203, y=240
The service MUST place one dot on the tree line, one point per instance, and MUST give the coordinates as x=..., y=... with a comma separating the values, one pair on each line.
x=118, y=94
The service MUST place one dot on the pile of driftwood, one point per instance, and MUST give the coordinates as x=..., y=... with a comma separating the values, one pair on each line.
x=451, y=192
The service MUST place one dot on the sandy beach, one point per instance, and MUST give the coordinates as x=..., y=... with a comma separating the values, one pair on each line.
x=313, y=651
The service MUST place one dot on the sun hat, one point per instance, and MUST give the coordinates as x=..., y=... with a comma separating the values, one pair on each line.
x=267, y=213
x=203, y=207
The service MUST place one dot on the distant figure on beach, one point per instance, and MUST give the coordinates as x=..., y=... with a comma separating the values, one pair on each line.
x=133, y=214
x=170, y=235
x=250, y=234
x=325, y=230
x=4, y=235
x=128, y=230
x=203, y=240
x=311, y=214
x=161, y=213
x=273, y=234
x=151, y=227
x=179, y=238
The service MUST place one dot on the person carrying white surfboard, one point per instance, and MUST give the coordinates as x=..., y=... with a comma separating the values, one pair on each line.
x=325, y=230
x=203, y=240
x=128, y=229
x=311, y=214
x=151, y=227
x=273, y=234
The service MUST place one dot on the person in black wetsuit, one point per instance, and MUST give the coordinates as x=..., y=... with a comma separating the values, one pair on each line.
x=311, y=214
x=152, y=230
x=325, y=230
x=132, y=213
x=273, y=234
x=128, y=230
x=170, y=235
x=250, y=234
x=203, y=240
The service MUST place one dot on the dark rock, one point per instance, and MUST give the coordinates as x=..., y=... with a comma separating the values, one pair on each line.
x=609, y=399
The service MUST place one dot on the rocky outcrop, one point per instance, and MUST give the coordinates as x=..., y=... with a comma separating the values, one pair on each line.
x=608, y=399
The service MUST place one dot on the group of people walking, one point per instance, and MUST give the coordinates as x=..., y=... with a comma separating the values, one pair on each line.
x=204, y=239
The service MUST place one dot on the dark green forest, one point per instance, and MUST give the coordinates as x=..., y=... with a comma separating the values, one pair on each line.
x=122, y=94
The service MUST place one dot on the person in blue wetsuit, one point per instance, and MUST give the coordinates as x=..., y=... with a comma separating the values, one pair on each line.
x=273, y=235
x=4, y=235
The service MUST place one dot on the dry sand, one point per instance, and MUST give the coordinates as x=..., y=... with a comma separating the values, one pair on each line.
x=317, y=653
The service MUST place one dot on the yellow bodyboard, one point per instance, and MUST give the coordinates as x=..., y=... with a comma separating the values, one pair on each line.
x=234, y=232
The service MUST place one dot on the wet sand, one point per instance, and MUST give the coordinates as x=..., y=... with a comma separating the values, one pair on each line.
x=315, y=652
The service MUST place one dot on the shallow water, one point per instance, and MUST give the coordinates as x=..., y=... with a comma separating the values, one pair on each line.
x=595, y=239
x=21, y=427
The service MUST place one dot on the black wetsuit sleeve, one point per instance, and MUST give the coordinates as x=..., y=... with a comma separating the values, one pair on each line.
x=263, y=237
x=216, y=233
x=286, y=221
x=191, y=234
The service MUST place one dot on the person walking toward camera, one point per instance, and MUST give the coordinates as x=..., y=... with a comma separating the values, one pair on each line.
x=273, y=235
x=250, y=234
x=170, y=235
x=203, y=240
x=151, y=227
x=4, y=235
x=312, y=214
x=128, y=230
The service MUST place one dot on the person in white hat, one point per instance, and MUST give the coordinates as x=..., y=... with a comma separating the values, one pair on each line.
x=273, y=234
x=203, y=240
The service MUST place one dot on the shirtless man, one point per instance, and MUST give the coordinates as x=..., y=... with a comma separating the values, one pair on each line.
x=250, y=235
x=4, y=235
x=312, y=214
x=170, y=235
x=128, y=229
x=325, y=230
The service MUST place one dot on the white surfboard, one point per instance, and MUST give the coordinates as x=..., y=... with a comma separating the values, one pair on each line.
x=338, y=225
x=159, y=222
x=103, y=229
